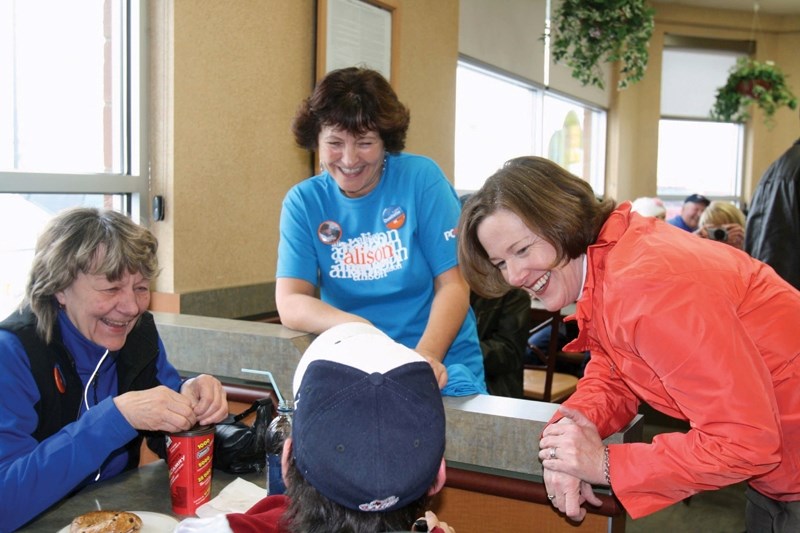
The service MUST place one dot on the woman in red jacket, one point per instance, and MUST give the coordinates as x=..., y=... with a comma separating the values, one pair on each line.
x=695, y=328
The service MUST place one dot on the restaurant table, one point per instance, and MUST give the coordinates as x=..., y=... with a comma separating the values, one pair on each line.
x=143, y=489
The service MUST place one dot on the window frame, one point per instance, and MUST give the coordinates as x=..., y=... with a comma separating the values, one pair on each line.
x=738, y=197
x=499, y=74
x=713, y=46
x=597, y=164
x=133, y=182
x=538, y=94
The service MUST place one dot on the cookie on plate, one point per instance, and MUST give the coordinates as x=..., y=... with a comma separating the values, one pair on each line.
x=106, y=522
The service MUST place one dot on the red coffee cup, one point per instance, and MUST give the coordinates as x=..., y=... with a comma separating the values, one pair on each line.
x=189, y=457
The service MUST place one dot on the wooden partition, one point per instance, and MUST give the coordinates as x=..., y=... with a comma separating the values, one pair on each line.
x=474, y=502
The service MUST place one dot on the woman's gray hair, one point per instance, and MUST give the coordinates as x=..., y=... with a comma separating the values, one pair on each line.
x=90, y=241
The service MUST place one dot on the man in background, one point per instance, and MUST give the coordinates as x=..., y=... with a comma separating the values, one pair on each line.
x=689, y=217
x=772, y=234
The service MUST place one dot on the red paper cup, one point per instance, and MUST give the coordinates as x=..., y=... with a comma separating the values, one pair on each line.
x=189, y=457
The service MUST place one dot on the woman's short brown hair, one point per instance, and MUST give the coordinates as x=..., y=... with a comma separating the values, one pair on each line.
x=553, y=203
x=87, y=240
x=357, y=100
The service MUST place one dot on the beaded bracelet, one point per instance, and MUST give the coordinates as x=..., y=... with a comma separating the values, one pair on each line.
x=606, y=469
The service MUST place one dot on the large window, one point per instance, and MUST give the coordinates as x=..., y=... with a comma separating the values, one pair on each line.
x=574, y=136
x=71, y=119
x=695, y=154
x=499, y=117
x=699, y=157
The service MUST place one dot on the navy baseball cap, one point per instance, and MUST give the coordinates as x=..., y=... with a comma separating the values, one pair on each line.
x=697, y=199
x=369, y=424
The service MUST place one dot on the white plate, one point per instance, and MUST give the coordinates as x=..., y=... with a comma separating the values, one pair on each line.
x=151, y=523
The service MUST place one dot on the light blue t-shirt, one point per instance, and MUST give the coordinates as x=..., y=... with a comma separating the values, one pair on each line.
x=377, y=256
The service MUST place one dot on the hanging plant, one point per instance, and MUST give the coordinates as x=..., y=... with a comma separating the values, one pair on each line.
x=588, y=32
x=752, y=82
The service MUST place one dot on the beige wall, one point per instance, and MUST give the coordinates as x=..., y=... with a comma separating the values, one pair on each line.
x=226, y=78
x=634, y=115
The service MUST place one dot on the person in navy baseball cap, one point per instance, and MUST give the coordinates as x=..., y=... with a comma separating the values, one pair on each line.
x=697, y=199
x=368, y=429
x=689, y=217
x=367, y=447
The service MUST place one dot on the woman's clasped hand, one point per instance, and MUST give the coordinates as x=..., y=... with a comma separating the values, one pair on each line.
x=567, y=450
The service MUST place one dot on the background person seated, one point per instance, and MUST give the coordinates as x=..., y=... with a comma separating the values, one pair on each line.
x=503, y=331
x=367, y=445
x=502, y=325
x=723, y=221
x=689, y=217
x=567, y=332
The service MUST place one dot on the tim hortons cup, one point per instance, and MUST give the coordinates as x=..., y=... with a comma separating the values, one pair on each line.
x=189, y=457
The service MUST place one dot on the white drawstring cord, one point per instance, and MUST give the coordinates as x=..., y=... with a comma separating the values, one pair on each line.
x=91, y=378
x=86, y=393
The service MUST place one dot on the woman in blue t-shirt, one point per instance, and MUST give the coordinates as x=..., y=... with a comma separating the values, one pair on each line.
x=372, y=237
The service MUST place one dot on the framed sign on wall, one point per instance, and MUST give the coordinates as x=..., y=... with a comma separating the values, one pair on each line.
x=360, y=33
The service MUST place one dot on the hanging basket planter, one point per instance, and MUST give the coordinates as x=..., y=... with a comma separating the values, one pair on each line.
x=586, y=33
x=752, y=82
x=750, y=89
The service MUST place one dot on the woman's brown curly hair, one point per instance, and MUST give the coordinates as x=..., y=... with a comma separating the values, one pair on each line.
x=356, y=100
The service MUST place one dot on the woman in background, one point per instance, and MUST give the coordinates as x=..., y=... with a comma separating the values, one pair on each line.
x=724, y=222
x=372, y=237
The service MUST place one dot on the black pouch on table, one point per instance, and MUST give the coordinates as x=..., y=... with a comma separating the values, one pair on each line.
x=239, y=448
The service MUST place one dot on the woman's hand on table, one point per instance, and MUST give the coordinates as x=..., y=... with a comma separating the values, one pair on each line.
x=573, y=446
x=201, y=400
x=157, y=409
x=439, y=370
x=568, y=494
x=572, y=456
x=208, y=398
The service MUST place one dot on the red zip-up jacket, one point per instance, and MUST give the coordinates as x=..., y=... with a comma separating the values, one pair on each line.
x=701, y=332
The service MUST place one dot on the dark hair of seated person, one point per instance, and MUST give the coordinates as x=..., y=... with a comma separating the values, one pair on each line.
x=311, y=512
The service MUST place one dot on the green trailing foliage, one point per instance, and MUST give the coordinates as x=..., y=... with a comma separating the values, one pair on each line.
x=586, y=33
x=752, y=82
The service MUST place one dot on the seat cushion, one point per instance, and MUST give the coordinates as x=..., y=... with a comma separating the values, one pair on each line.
x=533, y=385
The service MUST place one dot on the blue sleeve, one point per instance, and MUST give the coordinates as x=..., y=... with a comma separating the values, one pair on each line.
x=34, y=475
x=166, y=373
x=295, y=247
x=439, y=207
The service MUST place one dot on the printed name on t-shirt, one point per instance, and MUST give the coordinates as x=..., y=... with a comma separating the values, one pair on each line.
x=369, y=256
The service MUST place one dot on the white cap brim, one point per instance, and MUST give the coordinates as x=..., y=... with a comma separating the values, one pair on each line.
x=358, y=345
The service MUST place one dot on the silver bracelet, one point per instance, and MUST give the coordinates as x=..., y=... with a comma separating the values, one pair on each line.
x=606, y=469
